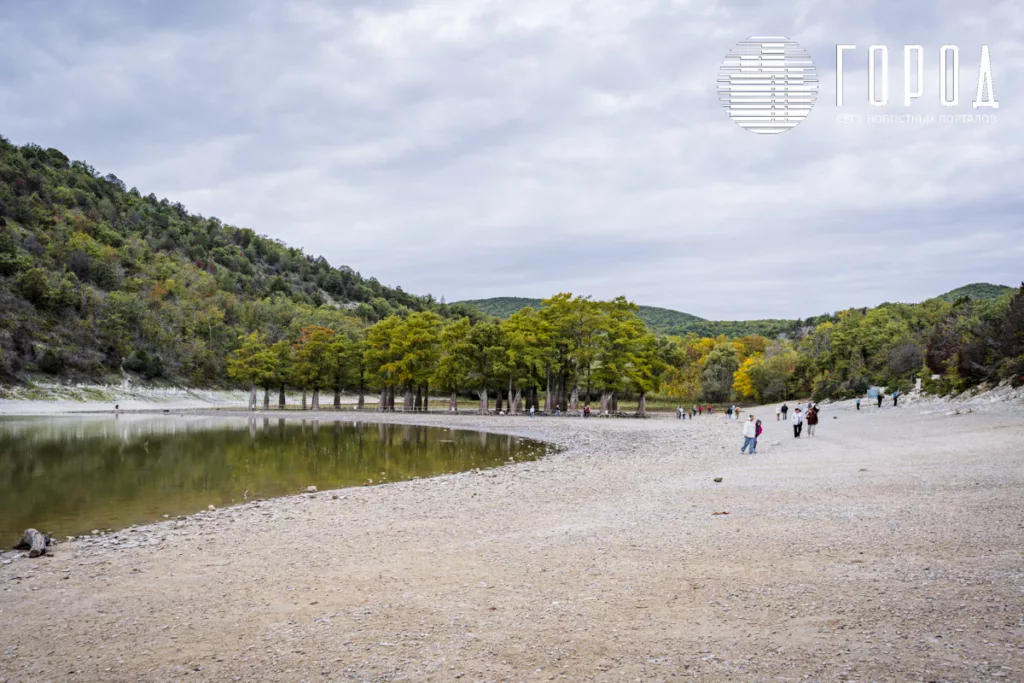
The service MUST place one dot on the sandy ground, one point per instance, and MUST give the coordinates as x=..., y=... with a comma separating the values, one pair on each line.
x=887, y=547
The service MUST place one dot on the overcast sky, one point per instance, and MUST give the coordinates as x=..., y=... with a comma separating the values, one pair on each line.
x=476, y=148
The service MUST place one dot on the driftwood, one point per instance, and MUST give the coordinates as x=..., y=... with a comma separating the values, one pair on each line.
x=35, y=542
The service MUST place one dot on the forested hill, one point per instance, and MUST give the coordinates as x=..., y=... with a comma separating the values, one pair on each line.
x=661, y=320
x=978, y=291
x=668, y=321
x=95, y=277
x=665, y=320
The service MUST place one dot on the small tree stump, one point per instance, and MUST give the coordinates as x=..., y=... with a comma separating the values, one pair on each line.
x=35, y=542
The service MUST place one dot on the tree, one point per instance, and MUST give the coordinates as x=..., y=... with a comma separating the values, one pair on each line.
x=380, y=354
x=716, y=378
x=451, y=373
x=644, y=370
x=312, y=359
x=251, y=363
x=414, y=349
x=485, y=347
x=282, y=357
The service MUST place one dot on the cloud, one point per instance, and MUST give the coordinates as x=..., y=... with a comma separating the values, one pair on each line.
x=479, y=148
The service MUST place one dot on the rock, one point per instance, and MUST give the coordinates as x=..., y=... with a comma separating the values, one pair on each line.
x=310, y=489
x=718, y=480
x=211, y=508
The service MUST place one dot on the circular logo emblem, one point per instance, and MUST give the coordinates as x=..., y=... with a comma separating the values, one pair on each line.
x=768, y=85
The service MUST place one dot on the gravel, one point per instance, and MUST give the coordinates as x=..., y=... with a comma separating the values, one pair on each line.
x=886, y=547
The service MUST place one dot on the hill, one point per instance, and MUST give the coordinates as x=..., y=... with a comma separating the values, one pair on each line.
x=665, y=320
x=95, y=277
x=658, y=319
x=979, y=291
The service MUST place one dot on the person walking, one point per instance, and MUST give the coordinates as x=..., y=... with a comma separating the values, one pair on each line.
x=728, y=413
x=749, y=436
x=880, y=397
x=700, y=409
x=737, y=412
x=798, y=423
x=895, y=397
x=812, y=420
x=785, y=412
x=693, y=411
x=531, y=411
x=858, y=404
x=757, y=435
x=586, y=410
x=778, y=414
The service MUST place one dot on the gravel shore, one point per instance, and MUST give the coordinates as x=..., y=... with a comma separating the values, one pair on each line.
x=886, y=547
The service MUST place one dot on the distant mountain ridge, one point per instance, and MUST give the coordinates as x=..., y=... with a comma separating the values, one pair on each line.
x=668, y=321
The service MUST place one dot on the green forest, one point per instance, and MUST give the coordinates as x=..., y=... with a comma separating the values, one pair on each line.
x=97, y=280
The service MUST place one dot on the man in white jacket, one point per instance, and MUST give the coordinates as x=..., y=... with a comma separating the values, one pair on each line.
x=798, y=423
x=749, y=436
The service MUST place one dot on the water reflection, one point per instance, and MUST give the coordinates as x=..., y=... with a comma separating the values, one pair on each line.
x=70, y=475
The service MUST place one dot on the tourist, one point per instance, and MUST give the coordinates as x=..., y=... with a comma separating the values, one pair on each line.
x=728, y=413
x=778, y=414
x=736, y=413
x=798, y=423
x=700, y=409
x=693, y=411
x=679, y=412
x=812, y=419
x=895, y=397
x=858, y=404
x=586, y=410
x=880, y=397
x=757, y=435
x=531, y=411
x=785, y=411
x=749, y=436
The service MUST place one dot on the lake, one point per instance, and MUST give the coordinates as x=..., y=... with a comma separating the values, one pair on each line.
x=69, y=475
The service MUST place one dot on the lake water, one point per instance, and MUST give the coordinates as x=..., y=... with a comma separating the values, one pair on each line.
x=69, y=475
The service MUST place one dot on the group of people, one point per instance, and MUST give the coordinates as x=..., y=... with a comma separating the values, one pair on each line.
x=694, y=411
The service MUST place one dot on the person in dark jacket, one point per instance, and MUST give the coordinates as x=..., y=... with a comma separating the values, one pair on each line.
x=812, y=419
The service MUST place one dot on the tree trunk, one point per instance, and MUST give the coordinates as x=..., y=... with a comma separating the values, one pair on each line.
x=266, y=398
x=453, y=403
x=517, y=402
x=362, y=399
x=497, y=401
x=547, y=394
x=407, y=399
x=391, y=399
x=280, y=398
x=316, y=398
x=641, y=408
x=34, y=542
x=337, y=398
x=426, y=398
x=483, y=400
x=606, y=402
x=382, y=404
x=252, y=397
x=574, y=400
x=303, y=398
x=419, y=398
x=615, y=402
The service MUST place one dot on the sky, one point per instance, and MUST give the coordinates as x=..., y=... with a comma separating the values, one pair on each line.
x=478, y=148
